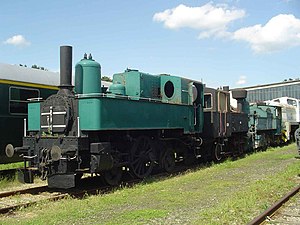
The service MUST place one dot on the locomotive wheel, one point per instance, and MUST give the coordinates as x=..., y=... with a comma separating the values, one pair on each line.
x=264, y=142
x=218, y=151
x=167, y=160
x=78, y=177
x=242, y=148
x=142, y=157
x=112, y=177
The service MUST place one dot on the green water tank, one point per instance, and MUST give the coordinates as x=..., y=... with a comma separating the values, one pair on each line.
x=87, y=76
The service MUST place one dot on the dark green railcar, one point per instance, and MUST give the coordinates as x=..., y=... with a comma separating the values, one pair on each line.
x=17, y=85
x=265, y=125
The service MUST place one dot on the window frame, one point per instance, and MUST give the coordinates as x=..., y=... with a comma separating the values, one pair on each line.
x=20, y=101
x=211, y=101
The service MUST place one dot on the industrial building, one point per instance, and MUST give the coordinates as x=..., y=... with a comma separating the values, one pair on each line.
x=288, y=88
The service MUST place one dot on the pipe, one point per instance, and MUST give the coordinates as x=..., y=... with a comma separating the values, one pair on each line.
x=78, y=127
x=25, y=127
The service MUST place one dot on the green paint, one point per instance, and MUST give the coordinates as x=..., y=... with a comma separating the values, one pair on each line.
x=87, y=77
x=140, y=101
x=117, y=88
x=104, y=113
x=138, y=84
x=34, y=112
x=267, y=117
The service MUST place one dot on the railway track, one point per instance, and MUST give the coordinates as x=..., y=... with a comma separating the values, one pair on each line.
x=13, y=200
x=16, y=199
x=23, y=198
x=33, y=190
x=267, y=216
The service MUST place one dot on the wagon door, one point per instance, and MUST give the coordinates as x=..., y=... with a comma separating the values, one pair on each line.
x=223, y=114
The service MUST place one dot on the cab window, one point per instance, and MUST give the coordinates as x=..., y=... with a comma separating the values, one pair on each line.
x=292, y=102
x=208, y=101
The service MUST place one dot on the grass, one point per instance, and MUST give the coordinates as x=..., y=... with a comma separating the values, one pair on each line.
x=7, y=183
x=258, y=196
x=233, y=192
x=11, y=165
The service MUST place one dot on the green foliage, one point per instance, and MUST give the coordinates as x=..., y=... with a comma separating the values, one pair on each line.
x=34, y=66
x=105, y=78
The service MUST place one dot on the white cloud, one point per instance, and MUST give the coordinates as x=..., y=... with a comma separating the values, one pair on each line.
x=17, y=40
x=212, y=20
x=280, y=32
x=242, y=80
x=209, y=19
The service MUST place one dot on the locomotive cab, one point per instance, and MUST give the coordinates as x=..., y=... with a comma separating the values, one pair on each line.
x=225, y=129
x=216, y=113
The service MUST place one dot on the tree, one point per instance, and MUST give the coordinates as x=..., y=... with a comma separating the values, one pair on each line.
x=106, y=78
x=38, y=67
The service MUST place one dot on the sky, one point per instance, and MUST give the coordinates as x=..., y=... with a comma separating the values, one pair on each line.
x=226, y=42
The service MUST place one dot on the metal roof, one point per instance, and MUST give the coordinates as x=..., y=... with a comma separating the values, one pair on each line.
x=284, y=83
x=29, y=75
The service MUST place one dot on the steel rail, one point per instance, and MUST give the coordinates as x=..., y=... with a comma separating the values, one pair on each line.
x=269, y=212
x=73, y=194
x=24, y=191
x=81, y=193
x=24, y=205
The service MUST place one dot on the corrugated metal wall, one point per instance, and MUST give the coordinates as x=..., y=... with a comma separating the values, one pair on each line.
x=269, y=93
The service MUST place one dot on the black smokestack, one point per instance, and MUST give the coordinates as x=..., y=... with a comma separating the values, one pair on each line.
x=66, y=68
